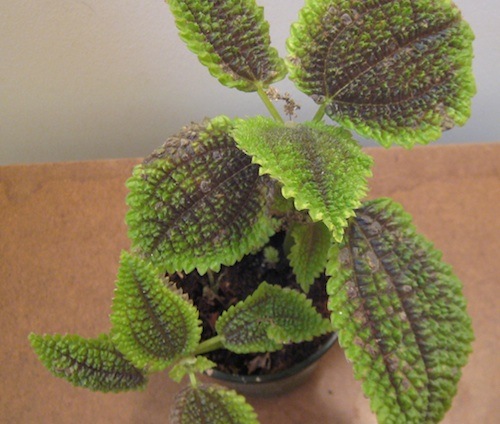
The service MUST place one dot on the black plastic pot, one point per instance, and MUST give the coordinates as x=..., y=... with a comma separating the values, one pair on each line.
x=277, y=383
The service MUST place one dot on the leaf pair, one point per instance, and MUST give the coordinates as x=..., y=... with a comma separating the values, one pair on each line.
x=199, y=202
x=97, y=365
x=153, y=325
x=395, y=71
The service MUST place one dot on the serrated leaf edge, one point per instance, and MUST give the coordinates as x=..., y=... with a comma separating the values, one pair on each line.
x=138, y=354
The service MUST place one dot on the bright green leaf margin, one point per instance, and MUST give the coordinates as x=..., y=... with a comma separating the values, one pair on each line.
x=213, y=405
x=321, y=167
x=269, y=318
x=400, y=314
x=231, y=38
x=153, y=323
x=95, y=364
x=309, y=253
x=198, y=202
x=399, y=72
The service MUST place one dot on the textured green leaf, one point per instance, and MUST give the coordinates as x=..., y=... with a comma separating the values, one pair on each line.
x=309, y=252
x=198, y=201
x=268, y=318
x=397, y=71
x=321, y=167
x=211, y=405
x=231, y=38
x=92, y=363
x=190, y=365
x=400, y=314
x=154, y=324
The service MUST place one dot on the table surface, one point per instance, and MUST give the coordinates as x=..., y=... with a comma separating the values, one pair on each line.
x=62, y=229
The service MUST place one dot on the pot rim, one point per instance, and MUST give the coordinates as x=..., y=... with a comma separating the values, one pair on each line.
x=267, y=378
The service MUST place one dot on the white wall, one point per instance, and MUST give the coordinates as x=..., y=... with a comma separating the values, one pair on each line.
x=88, y=79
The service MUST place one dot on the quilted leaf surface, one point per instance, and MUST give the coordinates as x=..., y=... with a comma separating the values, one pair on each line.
x=154, y=324
x=268, y=318
x=397, y=71
x=321, y=167
x=95, y=364
x=400, y=315
x=198, y=201
x=231, y=38
x=213, y=405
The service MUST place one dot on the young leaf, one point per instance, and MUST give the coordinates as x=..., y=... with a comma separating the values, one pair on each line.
x=268, y=318
x=153, y=324
x=309, y=252
x=400, y=314
x=198, y=201
x=193, y=364
x=231, y=38
x=95, y=364
x=321, y=167
x=397, y=71
x=211, y=404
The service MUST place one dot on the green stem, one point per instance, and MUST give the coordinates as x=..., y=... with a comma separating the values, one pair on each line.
x=320, y=113
x=211, y=277
x=288, y=242
x=192, y=380
x=269, y=104
x=209, y=345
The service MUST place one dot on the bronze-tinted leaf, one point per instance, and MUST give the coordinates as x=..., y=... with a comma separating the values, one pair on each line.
x=154, y=323
x=211, y=405
x=95, y=364
x=231, y=38
x=397, y=71
x=400, y=314
x=198, y=201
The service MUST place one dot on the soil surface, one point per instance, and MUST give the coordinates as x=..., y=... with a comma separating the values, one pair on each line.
x=213, y=294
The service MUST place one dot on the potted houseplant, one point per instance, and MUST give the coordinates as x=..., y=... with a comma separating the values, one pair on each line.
x=277, y=207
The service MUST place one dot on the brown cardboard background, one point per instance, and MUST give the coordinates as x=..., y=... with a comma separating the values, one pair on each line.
x=62, y=230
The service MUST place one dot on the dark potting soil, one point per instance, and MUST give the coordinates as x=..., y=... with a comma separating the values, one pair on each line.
x=235, y=283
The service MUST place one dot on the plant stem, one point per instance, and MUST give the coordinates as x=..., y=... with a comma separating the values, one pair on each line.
x=288, y=243
x=192, y=379
x=320, y=113
x=269, y=104
x=209, y=345
x=211, y=277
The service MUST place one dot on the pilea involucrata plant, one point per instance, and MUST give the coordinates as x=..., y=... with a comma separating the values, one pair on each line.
x=396, y=71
